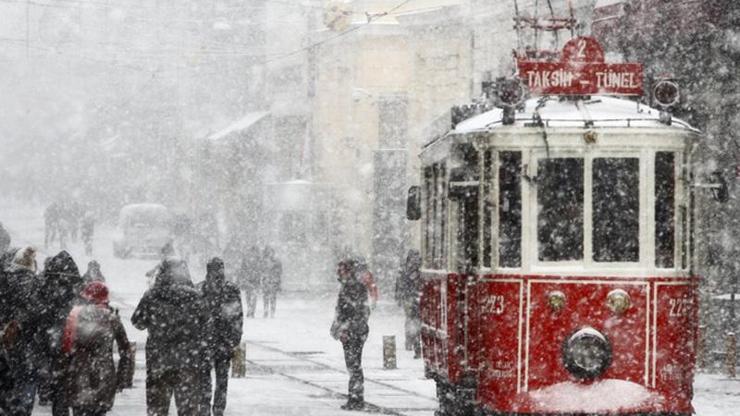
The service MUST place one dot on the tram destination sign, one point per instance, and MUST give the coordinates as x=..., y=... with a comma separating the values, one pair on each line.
x=581, y=71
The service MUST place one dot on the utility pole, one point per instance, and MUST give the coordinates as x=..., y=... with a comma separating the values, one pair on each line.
x=28, y=29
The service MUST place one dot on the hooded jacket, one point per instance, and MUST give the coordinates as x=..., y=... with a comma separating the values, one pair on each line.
x=224, y=307
x=89, y=333
x=174, y=315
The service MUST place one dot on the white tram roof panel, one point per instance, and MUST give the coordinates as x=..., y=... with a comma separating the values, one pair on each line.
x=602, y=111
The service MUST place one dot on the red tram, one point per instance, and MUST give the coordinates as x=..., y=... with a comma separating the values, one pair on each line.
x=557, y=260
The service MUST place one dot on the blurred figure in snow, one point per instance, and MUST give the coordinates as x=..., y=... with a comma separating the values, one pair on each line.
x=272, y=274
x=20, y=319
x=174, y=314
x=93, y=273
x=87, y=231
x=250, y=277
x=4, y=239
x=367, y=279
x=60, y=289
x=225, y=319
x=89, y=333
x=351, y=329
x=52, y=215
x=408, y=292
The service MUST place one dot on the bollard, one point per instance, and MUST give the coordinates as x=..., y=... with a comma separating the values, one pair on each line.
x=701, y=353
x=239, y=361
x=731, y=354
x=389, y=352
x=128, y=376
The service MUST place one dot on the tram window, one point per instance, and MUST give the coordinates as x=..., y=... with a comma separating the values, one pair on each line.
x=616, y=209
x=429, y=215
x=442, y=198
x=665, y=187
x=487, y=207
x=510, y=209
x=560, y=202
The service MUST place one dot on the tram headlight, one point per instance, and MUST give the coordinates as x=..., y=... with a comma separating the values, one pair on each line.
x=587, y=353
x=618, y=301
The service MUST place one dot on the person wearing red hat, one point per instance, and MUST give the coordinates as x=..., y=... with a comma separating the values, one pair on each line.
x=89, y=333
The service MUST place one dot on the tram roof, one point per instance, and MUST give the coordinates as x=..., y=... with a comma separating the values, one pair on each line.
x=599, y=111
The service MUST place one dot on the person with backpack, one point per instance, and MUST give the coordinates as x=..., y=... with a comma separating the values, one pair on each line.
x=174, y=315
x=225, y=320
x=89, y=333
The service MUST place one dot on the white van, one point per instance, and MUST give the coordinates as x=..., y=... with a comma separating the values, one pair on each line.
x=143, y=229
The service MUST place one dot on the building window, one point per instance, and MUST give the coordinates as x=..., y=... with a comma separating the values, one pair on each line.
x=510, y=209
x=616, y=210
x=560, y=213
x=665, y=188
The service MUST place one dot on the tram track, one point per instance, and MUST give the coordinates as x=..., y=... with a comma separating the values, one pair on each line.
x=370, y=407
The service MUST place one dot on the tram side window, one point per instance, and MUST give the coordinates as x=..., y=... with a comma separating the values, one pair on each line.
x=429, y=214
x=510, y=209
x=487, y=207
x=442, y=220
x=560, y=213
x=665, y=188
x=616, y=209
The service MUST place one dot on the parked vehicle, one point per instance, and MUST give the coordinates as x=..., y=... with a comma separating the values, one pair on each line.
x=143, y=230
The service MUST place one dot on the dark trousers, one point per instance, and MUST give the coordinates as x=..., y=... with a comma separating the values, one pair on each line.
x=269, y=302
x=161, y=385
x=250, y=297
x=353, y=360
x=88, y=411
x=221, y=364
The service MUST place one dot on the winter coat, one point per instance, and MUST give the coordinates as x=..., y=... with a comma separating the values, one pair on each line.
x=92, y=379
x=352, y=311
x=174, y=314
x=409, y=283
x=224, y=308
x=272, y=274
x=19, y=303
x=60, y=288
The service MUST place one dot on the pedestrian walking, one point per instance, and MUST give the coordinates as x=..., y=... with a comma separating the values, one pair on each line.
x=20, y=320
x=60, y=287
x=87, y=232
x=90, y=331
x=225, y=320
x=4, y=239
x=93, y=273
x=174, y=315
x=272, y=277
x=52, y=216
x=351, y=329
x=250, y=278
x=408, y=293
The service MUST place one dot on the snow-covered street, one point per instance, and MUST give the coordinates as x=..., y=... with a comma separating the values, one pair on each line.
x=294, y=366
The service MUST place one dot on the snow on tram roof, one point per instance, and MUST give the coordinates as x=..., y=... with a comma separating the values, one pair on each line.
x=602, y=111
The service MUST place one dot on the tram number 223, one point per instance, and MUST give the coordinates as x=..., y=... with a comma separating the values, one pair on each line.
x=494, y=305
x=680, y=307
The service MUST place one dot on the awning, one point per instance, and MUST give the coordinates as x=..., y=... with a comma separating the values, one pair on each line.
x=240, y=125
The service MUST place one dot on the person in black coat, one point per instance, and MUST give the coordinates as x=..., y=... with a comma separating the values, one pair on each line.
x=225, y=320
x=174, y=314
x=408, y=293
x=351, y=328
x=60, y=289
x=20, y=320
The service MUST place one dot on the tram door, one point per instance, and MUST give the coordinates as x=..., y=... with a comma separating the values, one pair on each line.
x=464, y=214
